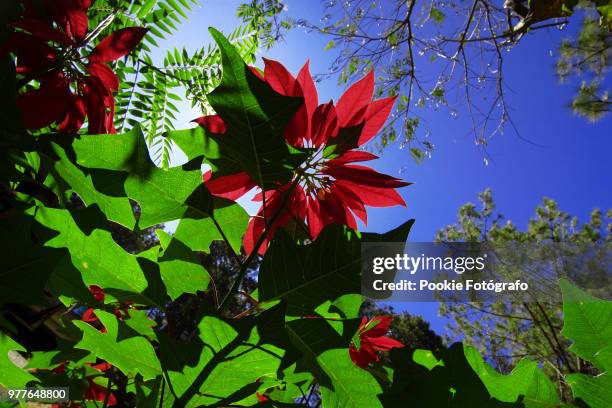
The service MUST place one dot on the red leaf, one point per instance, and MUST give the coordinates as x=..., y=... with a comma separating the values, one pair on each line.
x=374, y=196
x=375, y=117
x=351, y=200
x=42, y=30
x=363, y=175
x=317, y=218
x=354, y=102
x=231, y=187
x=97, y=292
x=324, y=123
x=206, y=176
x=96, y=108
x=75, y=115
x=89, y=316
x=379, y=326
x=33, y=53
x=118, y=44
x=254, y=230
x=280, y=79
x=71, y=16
x=77, y=22
x=96, y=392
x=105, y=74
x=43, y=106
x=261, y=397
x=103, y=366
x=384, y=343
x=364, y=356
x=300, y=128
x=309, y=90
x=212, y=124
x=257, y=72
x=353, y=156
x=85, y=4
x=339, y=213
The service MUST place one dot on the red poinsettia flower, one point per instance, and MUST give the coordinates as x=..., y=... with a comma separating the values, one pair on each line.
x=331, y=189
x=70, y=89
x=371, y=337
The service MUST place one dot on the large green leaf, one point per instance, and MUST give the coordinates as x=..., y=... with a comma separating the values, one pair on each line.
x=120, y=346
x=207, y=220
x=306, y=276
x=588, y=323
x=255, y=116
x=351, y=386
x=116, y=207
x=325, y=354
x=121, y=165
x=526, y=381
x=96, y=257
x=197, y=142
x=447, y=380
x=222, y=365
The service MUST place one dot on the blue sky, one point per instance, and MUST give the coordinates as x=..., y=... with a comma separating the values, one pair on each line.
x=571, y=162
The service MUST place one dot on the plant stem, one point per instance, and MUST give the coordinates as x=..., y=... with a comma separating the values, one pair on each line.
x=108, y=391
x=244, y=266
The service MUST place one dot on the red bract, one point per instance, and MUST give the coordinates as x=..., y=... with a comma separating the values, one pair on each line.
x=97, y=392
x=328, y=188
x=70, y=89
x=261, y=397
x=371, y=337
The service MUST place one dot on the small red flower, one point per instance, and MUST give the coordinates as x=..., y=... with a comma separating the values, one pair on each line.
x=332, y=189
x=49, y=50
x=371, y=337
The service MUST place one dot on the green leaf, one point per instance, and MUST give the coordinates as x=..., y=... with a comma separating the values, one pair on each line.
x=179, y=267
x=120, y=346
x=24, y=273
x=426, y=358
x=325, y=354
x=351, y=386
x=306, y=276
x=447, y=380
x=12, y=376
x=588, y=323
x=226, y=219
x=94, y=254
x=526, y=380
x=115, y=207
x=222, y=366
x=160, y=193
x=255, y=115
